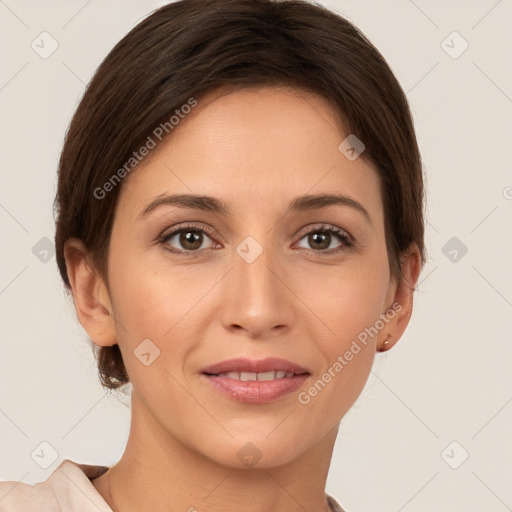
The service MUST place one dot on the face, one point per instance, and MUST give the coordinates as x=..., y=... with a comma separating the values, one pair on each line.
x=261, y=280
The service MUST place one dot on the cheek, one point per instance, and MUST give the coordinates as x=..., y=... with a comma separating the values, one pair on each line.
x=350, y=305
x=153, y=294
x=153, y=306
x=352, y=297
x=349, y=353
x=161, y=301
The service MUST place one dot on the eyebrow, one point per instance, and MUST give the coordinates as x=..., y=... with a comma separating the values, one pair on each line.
x=214, y=205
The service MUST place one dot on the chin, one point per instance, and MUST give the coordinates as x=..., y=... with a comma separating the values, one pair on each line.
x=255, y=452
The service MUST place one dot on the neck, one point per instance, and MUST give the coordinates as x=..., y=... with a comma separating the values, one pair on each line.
x=159, y=473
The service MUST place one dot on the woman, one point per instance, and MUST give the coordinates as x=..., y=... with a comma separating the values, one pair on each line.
x=240, y=224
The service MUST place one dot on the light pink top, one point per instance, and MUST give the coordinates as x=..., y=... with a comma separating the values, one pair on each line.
x=68, y=489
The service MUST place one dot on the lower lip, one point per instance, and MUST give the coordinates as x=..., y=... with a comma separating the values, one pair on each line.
x=256, y=392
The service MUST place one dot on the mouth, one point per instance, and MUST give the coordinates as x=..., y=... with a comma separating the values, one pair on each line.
x=255, y=381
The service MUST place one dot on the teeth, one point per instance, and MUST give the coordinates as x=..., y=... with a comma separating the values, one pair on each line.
x=266, y=375
x=251, y=376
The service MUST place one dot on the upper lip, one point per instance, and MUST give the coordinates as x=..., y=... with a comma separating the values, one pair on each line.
x=242, y=364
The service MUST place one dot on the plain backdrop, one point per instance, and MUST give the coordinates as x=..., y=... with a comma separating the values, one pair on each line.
x=432, y=428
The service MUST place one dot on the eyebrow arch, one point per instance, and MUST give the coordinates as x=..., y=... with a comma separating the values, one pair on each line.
x=317, y=201
x=211, y=204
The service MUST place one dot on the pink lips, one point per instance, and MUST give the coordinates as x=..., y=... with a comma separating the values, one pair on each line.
x=254, y=391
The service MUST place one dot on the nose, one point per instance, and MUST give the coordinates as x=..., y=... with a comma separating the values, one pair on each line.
x=256, y=297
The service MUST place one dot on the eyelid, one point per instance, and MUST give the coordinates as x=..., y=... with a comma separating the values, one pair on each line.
x=322, y=226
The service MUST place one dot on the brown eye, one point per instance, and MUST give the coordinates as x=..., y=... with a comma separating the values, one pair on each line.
x=185, y=239
x=320, y=239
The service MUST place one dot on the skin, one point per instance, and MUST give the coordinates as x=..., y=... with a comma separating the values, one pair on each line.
x=256, y=150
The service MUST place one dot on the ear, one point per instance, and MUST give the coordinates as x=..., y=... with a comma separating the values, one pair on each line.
x=400, y=300
x=90, y=295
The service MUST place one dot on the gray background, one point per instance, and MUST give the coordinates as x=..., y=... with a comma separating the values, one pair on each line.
x=448, y=379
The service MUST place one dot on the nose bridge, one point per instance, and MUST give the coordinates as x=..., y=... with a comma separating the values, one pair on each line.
x=254, y=265
x=255, y=261
x=256, y=296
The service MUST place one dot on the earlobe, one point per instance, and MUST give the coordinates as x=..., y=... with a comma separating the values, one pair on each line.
x=402, y=300
x=90, y=296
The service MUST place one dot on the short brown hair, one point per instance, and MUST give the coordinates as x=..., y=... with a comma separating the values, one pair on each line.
x=191, y=47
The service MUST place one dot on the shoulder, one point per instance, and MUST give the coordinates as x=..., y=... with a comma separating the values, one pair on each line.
x=335, y=506
x=68, y=488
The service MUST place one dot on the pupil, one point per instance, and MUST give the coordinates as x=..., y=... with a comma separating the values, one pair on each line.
x=191, y=237
x=323, y=238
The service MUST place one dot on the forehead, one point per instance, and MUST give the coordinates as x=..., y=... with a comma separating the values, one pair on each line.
x=254, y=146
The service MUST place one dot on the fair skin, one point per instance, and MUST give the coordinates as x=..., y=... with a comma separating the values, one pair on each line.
x=255, y=150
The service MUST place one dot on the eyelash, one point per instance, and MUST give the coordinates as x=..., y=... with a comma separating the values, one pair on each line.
x=346, y=240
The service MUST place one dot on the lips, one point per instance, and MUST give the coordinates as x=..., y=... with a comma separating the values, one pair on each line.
x=253, y=381
x=252, y=366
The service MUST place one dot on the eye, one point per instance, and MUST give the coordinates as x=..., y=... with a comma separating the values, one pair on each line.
x=190, y=237
x=322, y=237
